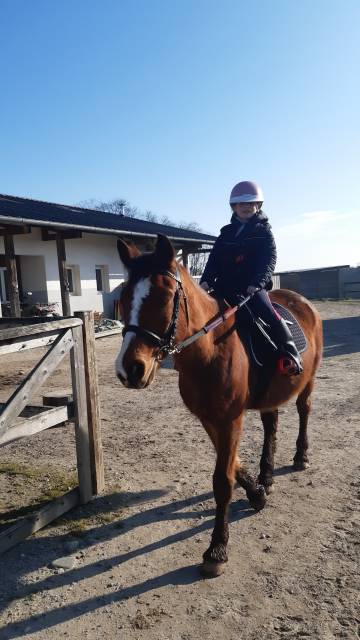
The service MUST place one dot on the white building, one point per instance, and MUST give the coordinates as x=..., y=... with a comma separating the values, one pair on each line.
x=68, y=255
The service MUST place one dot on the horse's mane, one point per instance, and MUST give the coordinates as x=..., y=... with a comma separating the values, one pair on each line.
x=205, y=304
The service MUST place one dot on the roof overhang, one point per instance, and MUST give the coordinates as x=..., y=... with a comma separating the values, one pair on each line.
x=63, y=225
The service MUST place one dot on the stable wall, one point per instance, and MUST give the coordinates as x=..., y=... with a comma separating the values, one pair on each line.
x=313, y=284
x=86, y=252
x=336, y=283
x=349, y=280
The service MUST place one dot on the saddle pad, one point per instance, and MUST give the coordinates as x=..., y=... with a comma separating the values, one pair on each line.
x=296, y=331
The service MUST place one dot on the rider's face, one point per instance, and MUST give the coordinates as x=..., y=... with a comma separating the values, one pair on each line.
x=245, y=210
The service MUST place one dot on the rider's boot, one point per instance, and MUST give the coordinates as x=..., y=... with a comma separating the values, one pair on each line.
x=289, y=361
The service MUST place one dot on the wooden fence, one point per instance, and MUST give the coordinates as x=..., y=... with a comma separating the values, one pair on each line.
x=74, y=335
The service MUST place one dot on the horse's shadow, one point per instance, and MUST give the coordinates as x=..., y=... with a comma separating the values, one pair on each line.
x=284, y=470
x=41, y=551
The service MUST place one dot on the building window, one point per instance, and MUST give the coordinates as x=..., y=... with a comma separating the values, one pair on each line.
x=4, y=293
x=73, y=278
x=102, y=278
x=70, y=280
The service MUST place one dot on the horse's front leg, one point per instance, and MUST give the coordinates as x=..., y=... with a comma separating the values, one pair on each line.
x=227, y=439
x=255, y=492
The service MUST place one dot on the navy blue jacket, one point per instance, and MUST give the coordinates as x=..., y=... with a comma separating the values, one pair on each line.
x=239, y=259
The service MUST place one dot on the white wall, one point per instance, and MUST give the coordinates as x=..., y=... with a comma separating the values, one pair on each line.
x=88, y=251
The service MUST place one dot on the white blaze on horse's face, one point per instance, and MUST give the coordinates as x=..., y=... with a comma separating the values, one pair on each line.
x=141, y=291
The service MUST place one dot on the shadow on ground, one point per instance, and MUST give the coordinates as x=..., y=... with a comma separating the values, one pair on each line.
x=40, y=552
x=341, y=336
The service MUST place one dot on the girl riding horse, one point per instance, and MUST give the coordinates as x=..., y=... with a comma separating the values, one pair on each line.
x=162, y=306
x=242, y=262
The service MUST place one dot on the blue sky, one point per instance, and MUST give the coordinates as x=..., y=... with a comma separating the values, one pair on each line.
x=170, y=103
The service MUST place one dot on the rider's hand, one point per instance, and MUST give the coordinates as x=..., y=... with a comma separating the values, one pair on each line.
x=251, y=289
x=205, y=286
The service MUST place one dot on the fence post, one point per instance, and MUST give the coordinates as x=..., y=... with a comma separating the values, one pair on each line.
x=81, y=416
x=93, y=406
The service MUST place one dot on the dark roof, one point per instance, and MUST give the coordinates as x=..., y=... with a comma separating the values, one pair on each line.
x=49, y=214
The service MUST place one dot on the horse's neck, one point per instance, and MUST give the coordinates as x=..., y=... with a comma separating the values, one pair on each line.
x=201, y=309
x=201, y=306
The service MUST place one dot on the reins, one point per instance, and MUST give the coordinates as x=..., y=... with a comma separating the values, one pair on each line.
x=166, y=344
x=210, y=326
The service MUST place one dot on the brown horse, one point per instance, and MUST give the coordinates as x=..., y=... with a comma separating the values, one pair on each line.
x=161, y=306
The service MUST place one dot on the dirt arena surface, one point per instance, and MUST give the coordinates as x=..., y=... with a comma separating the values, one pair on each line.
x=293, y=569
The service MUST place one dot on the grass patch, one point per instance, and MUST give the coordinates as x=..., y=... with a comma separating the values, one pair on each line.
x=32, y=486
x=16, y=469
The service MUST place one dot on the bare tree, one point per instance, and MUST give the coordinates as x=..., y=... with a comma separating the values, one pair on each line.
x=120, y=206
x=197, y=262
x=191, y=226
x=150, y=216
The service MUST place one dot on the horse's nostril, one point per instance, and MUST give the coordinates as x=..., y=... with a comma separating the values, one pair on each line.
x=137, y=371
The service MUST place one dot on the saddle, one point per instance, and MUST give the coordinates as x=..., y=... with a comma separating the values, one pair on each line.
x=256, y=335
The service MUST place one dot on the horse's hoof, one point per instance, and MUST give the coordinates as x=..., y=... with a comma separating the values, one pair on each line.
x=257, y=498
x=270, y=489
x=210, y=569
x=300, y=465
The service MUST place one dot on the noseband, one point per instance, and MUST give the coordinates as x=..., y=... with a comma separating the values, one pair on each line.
x=165, y=344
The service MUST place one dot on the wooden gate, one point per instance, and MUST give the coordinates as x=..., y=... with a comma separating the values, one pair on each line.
x=74, y=335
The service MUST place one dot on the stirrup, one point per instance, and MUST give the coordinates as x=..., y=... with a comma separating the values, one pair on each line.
x=287, y=366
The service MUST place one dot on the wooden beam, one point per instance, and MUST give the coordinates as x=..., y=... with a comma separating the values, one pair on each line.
x=43, y=418
x=64, y=284
x=185, y=256
x=14, y=230
x=10, y=261
x=107, y=333
x=28, y=328
x=58, y=398
x=199, y=251
x=81, y=416
x=19, y=344
x=51, y=234
x=26, y=526
x=93, y=401
x=31, y=383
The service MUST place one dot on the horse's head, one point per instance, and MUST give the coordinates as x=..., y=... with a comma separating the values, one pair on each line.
x=149, y=301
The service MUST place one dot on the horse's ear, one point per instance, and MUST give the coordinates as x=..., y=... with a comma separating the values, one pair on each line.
x=127, y=252
x=164, y=251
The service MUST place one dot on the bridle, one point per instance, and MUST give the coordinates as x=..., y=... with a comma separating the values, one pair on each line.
x=166, y=343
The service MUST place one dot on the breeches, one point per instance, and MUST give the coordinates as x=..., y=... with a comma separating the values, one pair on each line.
x=260, y=305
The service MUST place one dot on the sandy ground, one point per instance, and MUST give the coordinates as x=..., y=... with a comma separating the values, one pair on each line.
x=293, y=568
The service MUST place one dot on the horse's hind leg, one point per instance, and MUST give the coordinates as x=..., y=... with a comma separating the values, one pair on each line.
x=303, y=405
x=255, y=492
x=270, y=423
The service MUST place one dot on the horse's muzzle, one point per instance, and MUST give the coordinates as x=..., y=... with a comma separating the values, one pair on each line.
x=137, y=375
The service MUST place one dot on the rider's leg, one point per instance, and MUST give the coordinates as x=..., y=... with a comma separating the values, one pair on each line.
x=260, y=304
